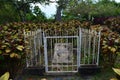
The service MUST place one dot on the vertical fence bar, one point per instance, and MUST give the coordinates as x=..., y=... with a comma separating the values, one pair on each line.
x=89, y=47
x=84, y=47
x=57, y=56
x=80, y=52
x=35, y=53
x=72, y=54
x=67, y=53
x=51, y=49
x=31, y=54
x=45, y=52
x=39, y=51
x=94, y=40
x=25, y=36
x=99, y=33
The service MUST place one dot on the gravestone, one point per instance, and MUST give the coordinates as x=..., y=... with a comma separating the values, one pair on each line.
x=63, y=53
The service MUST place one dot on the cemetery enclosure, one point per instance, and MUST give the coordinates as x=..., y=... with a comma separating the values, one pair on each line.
x=62, y=51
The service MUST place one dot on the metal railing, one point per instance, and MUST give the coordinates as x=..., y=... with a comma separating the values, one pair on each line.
x=34, y=48
x=90, y=45
x=62, y=50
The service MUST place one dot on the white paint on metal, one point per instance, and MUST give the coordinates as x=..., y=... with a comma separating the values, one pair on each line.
x=33, y=45
x=85, y=45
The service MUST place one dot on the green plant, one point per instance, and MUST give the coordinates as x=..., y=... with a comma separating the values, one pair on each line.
x=13, y=47
x=5, y=76
x=110, y=42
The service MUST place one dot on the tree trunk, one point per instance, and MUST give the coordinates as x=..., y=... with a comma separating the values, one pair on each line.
x=58, y=16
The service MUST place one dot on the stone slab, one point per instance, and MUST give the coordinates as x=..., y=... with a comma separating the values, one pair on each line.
x=63, y=53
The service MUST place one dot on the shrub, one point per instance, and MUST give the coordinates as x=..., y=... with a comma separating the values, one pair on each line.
x=113, y=23
x=12, y=44
x=110, y=45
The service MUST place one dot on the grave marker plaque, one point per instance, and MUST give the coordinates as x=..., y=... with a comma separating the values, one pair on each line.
x=63, y=53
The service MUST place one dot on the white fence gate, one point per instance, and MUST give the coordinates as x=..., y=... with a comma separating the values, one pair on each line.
x=64, y=51
x=61, y=52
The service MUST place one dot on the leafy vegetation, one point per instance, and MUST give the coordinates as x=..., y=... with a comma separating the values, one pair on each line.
x=89, y=9
x=5, y=76
x=117, y=71
x=8, y=13
x=12, y=44
x=114, y=24
x=20, y=11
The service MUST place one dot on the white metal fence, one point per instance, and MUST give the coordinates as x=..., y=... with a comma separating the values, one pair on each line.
x=90, y=45
x=64, y=50
x=34, y=45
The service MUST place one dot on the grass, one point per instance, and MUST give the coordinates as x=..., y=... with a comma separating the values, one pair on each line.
x=105, y=74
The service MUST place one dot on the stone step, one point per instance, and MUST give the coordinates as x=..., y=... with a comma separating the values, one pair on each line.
x=89, y=69
x=34, y=71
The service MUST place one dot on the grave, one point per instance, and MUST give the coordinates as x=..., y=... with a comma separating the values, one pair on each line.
x=62, y=53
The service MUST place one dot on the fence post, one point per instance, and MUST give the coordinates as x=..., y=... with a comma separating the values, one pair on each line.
x=99, y=36
x=79, y=52
x=45, y=52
